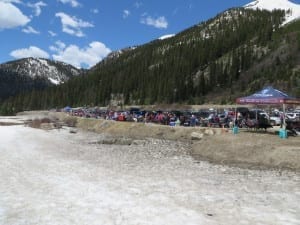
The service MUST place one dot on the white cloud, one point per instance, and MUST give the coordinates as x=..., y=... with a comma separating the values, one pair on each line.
x=80, y=57
x=37, y=7
x=32, y=51
x=11, y=16
x=175, y=11
x=72, y=25
x=58, y=47
x=73, y=3
x=13, y=1
x=95, y=11
x=159, y=22
x=138, y=5
x=30, y=30
x=53, y=34
x=126, y=13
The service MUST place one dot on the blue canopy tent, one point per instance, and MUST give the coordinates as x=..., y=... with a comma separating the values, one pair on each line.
x=269, y=96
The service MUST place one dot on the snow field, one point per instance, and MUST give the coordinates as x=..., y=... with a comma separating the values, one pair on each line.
x=54, y=177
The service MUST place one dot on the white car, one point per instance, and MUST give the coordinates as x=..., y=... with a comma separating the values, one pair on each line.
x=292, y=116
x=275, y=120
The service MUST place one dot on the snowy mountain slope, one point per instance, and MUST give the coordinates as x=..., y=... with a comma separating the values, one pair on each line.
x=53, y=71
x=166, y=36
x=292, y=9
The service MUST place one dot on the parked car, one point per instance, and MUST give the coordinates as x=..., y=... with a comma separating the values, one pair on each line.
x=275, y=120
x=253, y=113
x=292, y=116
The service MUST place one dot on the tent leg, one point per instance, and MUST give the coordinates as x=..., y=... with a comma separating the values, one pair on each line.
x=284, y=123
x=256, y=116
x=235, y=119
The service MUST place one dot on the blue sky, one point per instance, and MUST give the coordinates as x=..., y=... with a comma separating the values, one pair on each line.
x=82, y=32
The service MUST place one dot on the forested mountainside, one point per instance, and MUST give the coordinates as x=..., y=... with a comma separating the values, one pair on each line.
x=233, y=54
x=28, y=74
x=55, y=72
x=12, y=83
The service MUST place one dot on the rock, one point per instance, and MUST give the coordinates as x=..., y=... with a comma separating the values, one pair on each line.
x=196, y=136
x=219, y=131
x=47, y=126
x=209, y=132
x=109, y=141
x=117, y=141
x=124, y=141
x=73, y=131
x=139, y=142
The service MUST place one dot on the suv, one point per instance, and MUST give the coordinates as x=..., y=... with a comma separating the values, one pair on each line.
x=275, y=120
x=258, y=113
x=292, y=116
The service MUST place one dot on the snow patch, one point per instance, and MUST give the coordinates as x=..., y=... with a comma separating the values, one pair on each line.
x=53, y=81
x=270, y=5
x=166, y=36
x=54, y=71
x=56, y=177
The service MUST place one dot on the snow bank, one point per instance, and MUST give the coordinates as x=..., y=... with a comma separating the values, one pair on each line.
x=54, y=177
x=271, y=5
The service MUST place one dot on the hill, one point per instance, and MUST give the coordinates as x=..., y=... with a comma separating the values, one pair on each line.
x=236, y=53
x=28, y=74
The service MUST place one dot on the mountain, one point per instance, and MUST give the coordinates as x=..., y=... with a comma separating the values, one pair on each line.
x=292, y=9
x=24, y=75
x=233, y=54
x=54, y=71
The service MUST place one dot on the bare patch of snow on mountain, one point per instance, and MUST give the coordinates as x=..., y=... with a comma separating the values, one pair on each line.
x=54, y=71
x=166, y=36
x=53, y=81
x=292, y=9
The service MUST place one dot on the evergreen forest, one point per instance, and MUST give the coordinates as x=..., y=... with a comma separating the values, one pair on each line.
x=232, y=55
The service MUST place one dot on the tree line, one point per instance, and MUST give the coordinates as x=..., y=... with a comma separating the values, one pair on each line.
x=233, y=53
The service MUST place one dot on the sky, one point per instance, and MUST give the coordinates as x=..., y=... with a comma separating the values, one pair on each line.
x=83, y=32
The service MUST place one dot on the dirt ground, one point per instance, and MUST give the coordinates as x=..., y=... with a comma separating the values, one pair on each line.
x=250, y=150
x=247, y=149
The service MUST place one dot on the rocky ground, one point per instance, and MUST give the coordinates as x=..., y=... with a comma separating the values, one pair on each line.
x=247, y=149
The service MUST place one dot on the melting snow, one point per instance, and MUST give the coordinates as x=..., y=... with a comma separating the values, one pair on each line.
x=54, y=177
x=53, y=81
x=166, y=36
x=277, y=4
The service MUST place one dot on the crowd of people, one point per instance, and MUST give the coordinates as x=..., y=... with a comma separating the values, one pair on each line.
x=228, y=118
x=164, y=117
